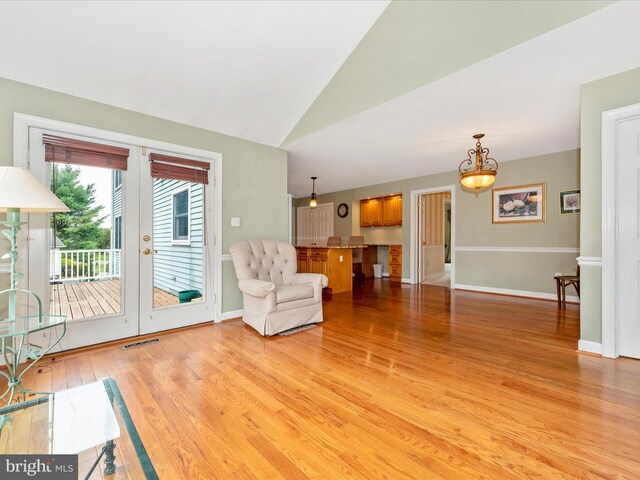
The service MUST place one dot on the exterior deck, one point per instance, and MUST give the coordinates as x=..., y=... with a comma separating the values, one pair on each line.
x=88, y=299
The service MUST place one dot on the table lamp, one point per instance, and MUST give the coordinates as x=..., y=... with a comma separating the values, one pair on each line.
x=21, y=191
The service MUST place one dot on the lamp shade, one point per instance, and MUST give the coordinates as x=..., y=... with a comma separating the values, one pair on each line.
x=19, y=188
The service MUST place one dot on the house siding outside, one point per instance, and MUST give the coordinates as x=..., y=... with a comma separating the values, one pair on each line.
x=116, y=215
x=177, y=267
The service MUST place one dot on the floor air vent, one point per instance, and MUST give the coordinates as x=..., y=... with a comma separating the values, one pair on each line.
x=129, y=346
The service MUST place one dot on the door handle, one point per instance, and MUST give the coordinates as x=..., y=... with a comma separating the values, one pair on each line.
x=148, y=251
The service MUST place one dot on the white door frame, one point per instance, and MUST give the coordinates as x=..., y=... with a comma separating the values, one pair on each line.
x=23, y=122
x=413, y=231
x=610, y=320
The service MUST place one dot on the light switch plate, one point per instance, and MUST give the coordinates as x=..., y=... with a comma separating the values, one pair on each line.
x=235, y=221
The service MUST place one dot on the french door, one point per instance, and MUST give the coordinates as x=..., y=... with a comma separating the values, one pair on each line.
x=135, y=259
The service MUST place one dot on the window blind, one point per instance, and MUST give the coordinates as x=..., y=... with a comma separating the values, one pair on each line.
x=80, y=152
x=175, y=168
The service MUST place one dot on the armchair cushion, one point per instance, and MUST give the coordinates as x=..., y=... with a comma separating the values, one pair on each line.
x=289, y=293
x=255, y=287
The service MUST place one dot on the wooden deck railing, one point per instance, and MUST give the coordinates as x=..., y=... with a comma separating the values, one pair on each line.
x=79, y=265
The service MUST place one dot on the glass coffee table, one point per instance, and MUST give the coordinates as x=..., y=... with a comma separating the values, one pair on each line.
x=91, y=421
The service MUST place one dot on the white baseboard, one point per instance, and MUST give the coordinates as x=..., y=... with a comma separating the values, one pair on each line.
x=232, y=314
x=405, y=280
x=590, y=347
x=516, y=293
x=385, y=274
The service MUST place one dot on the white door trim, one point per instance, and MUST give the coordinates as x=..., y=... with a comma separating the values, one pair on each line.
x=610, y=321
x=22, y=123
x=413, y=231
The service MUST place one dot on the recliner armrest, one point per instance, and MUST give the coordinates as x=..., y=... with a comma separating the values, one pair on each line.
x=316, y=278
x=255, y=287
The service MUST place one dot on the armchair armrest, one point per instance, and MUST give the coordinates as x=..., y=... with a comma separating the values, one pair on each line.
x=255, y=287
x=316, y=278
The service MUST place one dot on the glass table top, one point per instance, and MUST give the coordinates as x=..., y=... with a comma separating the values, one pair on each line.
x=78, y=421
x=29, y=324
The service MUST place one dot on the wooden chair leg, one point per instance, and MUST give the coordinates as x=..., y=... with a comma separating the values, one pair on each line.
x=558, y=291
x=564, y=295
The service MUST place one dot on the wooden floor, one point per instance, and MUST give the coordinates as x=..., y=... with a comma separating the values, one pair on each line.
x=399, y=382
x=88, y=299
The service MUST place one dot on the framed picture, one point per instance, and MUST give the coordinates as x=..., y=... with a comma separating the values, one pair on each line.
x=570, y=201
x=525, y=203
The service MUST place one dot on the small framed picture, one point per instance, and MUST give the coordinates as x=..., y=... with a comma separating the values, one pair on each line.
x=525, y=203
x=570, y=201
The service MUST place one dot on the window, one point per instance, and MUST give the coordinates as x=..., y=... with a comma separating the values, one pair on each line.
x=117, y=232
x=117, y=178
x=181, y=217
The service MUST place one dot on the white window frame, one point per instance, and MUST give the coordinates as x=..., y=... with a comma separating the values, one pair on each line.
x=173, y=196
x=115, y=175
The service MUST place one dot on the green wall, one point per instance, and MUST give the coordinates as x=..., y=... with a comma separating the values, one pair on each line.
x=515, y=271
x=414, y=43
x=597, y=97
x=254, y=176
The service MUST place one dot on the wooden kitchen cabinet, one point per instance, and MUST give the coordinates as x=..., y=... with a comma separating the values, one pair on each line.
x=371, y=212
x=392, y=211
x=381, y=211
x=395, y=263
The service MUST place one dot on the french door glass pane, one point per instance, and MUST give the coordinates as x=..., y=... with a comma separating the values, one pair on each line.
x=178, y=242
x=85, y=244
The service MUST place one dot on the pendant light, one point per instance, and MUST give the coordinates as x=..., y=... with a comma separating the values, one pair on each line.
x=481, y=172
x=314, y=199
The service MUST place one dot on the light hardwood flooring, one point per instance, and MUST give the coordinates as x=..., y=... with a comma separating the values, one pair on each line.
x=79, y=300
x=399, y=382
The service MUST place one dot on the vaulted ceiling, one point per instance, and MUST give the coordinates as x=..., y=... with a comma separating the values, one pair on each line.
x=358, y=92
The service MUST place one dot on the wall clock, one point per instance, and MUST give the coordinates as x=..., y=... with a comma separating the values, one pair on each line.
x=343, y=210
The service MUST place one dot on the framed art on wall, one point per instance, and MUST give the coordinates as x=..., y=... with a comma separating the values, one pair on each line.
x=525, y=203
x=570, y=201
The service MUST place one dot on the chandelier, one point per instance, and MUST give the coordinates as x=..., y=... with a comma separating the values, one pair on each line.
x=314, y=199
x=481, y=172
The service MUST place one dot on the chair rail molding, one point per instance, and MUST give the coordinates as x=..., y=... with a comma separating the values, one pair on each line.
x=590, y=262
x=519, y=249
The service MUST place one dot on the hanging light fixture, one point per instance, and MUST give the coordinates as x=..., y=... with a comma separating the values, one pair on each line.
x=314, y=199
x=481, y=172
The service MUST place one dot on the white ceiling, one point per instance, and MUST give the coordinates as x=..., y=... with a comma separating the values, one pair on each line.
x=248, y=69
x=526, y=100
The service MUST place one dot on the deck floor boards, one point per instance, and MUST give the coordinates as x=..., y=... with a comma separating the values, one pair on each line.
x=87, y=299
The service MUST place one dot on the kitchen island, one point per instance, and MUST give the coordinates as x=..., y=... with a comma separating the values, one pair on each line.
x=334, y=262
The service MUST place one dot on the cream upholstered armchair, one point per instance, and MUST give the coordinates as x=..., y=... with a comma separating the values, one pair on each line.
x=276, y=298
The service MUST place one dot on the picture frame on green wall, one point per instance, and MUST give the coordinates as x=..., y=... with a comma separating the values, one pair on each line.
x=569, y=202
x=524, y=203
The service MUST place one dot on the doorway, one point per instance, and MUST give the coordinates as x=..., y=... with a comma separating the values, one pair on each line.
x=434, y=239
x=141, y=258
x=432, y=233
